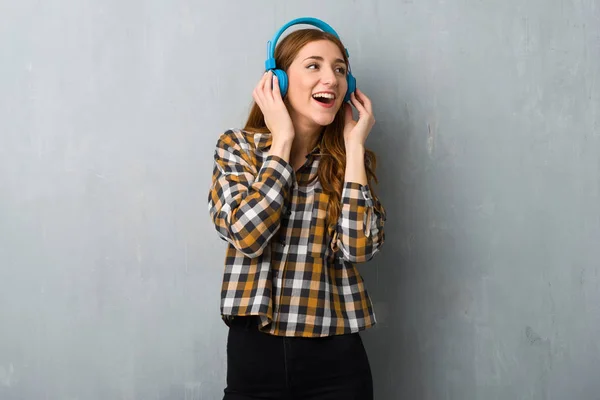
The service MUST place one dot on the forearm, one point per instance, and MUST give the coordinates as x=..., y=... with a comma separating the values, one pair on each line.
x=355, y=164
x=360, y=228
x=281, y=148
x=239, y=197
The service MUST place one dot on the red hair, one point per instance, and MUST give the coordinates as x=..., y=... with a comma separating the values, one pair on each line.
x=332, y=165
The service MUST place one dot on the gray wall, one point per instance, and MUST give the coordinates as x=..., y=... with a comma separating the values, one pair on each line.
x=489, y=145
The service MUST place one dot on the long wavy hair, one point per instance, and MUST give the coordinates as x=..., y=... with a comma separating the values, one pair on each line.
x=332, y=165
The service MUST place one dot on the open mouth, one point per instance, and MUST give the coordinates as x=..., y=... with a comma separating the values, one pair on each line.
x=324, y=98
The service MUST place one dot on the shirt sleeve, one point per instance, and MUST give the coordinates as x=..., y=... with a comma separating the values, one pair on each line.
x=360, y=230
x=244, y=203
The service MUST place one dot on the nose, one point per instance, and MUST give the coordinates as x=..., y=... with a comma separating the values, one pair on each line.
x=328, y=76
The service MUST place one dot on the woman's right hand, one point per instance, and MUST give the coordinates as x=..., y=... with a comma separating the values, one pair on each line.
x=268, y=97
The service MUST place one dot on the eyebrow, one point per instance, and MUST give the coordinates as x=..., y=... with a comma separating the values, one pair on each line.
x=337, y=60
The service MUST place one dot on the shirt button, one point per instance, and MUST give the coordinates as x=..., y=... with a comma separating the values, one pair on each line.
x=288, y=212
x=282, y=242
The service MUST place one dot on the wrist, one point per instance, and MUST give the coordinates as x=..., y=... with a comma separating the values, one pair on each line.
x=354, y=148
x=283, y=136
x=282, y=141
x=281, y=147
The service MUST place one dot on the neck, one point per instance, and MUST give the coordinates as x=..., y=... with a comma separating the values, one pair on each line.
x=305, y=140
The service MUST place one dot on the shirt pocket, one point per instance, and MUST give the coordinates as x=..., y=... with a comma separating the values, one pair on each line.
x=318, y=240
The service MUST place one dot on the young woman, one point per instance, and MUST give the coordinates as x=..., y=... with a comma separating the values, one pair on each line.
x=291, y=195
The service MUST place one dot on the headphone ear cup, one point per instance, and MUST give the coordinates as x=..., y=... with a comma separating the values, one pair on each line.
x=283, y=81
x=351, y=86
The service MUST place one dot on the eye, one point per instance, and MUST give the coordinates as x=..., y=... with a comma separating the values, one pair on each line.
x=340, y=69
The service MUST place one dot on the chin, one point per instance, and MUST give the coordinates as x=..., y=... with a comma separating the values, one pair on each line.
x=324, y=120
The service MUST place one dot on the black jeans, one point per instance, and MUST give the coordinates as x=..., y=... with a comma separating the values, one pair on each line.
x=263, y=366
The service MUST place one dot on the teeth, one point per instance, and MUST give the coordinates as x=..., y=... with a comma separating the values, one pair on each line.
x=324, y=95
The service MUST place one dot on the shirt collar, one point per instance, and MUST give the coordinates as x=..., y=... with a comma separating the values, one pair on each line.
x=264, y=140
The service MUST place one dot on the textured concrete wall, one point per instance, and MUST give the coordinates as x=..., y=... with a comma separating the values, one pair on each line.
x=488, y=142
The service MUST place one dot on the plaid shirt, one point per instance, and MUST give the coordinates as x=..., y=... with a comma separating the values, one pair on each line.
x=282, y=263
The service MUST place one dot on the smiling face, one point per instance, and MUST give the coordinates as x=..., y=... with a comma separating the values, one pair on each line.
x=317, y=85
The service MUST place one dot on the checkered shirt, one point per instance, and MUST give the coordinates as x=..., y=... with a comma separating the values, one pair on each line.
x=282, y=262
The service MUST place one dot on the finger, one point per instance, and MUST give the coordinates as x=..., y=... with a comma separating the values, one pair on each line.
x=359, y=106
x=276, y=89
x=347, y=113
x=359, y=96
x=257, y=98
x=363, y=109
x=261, y=81
x=257, y=93
x=267, y=88
x=365, y=101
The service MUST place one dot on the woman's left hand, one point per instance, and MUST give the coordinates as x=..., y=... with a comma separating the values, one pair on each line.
x=356, y=132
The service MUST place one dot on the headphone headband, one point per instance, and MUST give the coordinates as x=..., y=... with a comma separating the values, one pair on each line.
x=270, y=64
x=271, y=44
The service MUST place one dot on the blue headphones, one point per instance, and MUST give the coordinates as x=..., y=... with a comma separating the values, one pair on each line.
x=281, y=75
